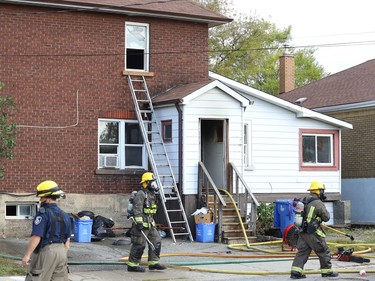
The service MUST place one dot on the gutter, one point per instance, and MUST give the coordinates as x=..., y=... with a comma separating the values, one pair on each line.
x=125, y=11
x=346, y=107
x=180, y=154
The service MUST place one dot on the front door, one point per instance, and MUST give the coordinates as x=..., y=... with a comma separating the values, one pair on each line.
x=214, y=150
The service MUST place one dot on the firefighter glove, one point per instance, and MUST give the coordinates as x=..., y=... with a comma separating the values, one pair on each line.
x=139, y=226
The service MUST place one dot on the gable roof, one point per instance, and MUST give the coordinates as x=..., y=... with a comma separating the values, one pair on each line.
x=185, y=93
x=185, y=10
x=300, y=111
x=351, y=88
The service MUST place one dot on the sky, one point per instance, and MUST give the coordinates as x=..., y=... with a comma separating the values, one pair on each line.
x=323, y=22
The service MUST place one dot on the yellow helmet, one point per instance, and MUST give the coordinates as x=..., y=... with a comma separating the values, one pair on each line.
x=148, y=176
x=49, y=189
x=316, y=186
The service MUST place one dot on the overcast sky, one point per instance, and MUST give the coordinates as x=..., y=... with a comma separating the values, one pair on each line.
x=322, y=22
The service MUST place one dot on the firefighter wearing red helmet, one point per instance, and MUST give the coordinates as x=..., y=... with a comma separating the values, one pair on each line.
x=144, y=227
x=46, y=255
x=312, y=237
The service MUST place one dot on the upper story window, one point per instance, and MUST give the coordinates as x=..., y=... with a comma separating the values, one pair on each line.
x=136, y=46
x=319, y=149
x=166, y=128
x=121, y=145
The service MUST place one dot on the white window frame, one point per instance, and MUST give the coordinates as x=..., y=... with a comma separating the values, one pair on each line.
x=121, y=147
x=317, y=163
x=248, y=146
x=145, y=49
x=32, y=205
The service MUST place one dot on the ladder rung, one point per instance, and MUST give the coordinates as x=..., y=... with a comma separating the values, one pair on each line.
x=179, y=222
x=171, y=198
x=139, y=90
x=175, y=210
x=181, y=233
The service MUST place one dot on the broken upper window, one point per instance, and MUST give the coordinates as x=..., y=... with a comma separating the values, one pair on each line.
x=136, y=46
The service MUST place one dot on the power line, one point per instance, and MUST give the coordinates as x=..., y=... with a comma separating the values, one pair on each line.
x=313, y=46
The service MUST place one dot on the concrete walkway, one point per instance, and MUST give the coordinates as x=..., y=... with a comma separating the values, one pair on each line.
x=100, y=262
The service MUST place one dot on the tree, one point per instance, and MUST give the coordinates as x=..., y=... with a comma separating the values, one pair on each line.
x=7, y=129
x=248, y=49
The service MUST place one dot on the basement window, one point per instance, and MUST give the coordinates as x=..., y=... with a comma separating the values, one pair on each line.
x=20, y=210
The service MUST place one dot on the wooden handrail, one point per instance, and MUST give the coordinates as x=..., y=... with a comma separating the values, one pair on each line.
x=244, y=184
x=217, y=192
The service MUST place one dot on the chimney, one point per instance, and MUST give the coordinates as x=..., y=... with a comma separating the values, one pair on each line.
x=287, y=81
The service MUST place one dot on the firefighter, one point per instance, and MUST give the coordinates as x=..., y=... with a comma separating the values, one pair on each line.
x=144, y=207
x=47, y=252
x=312, y=236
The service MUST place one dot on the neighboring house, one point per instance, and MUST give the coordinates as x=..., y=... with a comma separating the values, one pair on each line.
x=349, y=95
x=66, y=65
x=225, y=121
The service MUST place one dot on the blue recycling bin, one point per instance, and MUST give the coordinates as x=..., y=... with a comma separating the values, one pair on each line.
x=283, y=214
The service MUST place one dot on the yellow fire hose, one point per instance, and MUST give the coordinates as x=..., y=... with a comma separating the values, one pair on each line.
x=338, y=231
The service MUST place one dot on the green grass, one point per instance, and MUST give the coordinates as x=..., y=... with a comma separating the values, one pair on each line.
x=9, y=267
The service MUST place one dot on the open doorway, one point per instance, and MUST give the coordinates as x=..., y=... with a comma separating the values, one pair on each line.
x=214, y=149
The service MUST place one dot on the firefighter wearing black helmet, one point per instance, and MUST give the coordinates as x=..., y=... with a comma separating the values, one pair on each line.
x=145, y=206
x=312, y=238
x=46, y=254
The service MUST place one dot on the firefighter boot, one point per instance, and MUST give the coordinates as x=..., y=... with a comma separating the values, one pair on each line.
x=297, y=275
x=157, y=266
x=136, y=269
x=330, y=274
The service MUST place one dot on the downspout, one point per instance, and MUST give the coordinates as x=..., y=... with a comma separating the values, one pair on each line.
x=180, y=154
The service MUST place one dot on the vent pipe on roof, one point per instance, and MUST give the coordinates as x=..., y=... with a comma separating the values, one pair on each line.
x=287, y=80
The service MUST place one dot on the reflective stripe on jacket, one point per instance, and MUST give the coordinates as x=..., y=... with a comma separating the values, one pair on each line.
x=316, y=211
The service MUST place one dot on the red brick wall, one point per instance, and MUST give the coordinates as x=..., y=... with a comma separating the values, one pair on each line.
x=47, y=59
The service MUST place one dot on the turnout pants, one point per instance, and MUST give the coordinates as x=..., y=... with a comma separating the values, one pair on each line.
x=312, y=242
x=49, y=264
x=139, y=244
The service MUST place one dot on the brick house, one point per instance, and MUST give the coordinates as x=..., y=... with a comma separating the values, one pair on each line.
x=65, y=64
x=349, y=95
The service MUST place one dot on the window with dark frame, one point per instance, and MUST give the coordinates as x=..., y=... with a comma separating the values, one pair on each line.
x=166, y=127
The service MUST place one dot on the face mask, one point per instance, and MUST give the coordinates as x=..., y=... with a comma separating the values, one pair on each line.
x=153, y=186
x=322, y=196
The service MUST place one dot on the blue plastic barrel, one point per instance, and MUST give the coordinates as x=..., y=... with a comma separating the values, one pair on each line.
x=283, y=214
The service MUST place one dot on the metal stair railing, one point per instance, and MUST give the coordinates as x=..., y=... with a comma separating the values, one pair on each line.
x=158, y=158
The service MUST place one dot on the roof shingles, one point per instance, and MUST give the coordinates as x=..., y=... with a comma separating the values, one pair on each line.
x=353, y=85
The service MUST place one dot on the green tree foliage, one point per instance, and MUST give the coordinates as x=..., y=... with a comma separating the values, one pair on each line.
x=7, y=129
x=247, y=50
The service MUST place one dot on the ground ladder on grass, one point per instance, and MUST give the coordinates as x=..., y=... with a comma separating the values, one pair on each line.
x=158, y=158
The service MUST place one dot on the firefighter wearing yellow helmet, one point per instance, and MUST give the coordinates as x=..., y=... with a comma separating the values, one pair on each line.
x=312, y=236
x=144, y=227
x=46, y=254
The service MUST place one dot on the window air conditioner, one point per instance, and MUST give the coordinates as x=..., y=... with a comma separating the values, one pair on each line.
x=110, y=161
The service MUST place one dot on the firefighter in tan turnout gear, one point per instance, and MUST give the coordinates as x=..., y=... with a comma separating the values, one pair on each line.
x=312, y=236
x=144, y=228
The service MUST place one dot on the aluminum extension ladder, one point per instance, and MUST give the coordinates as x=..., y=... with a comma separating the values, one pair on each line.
x=158, y=158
